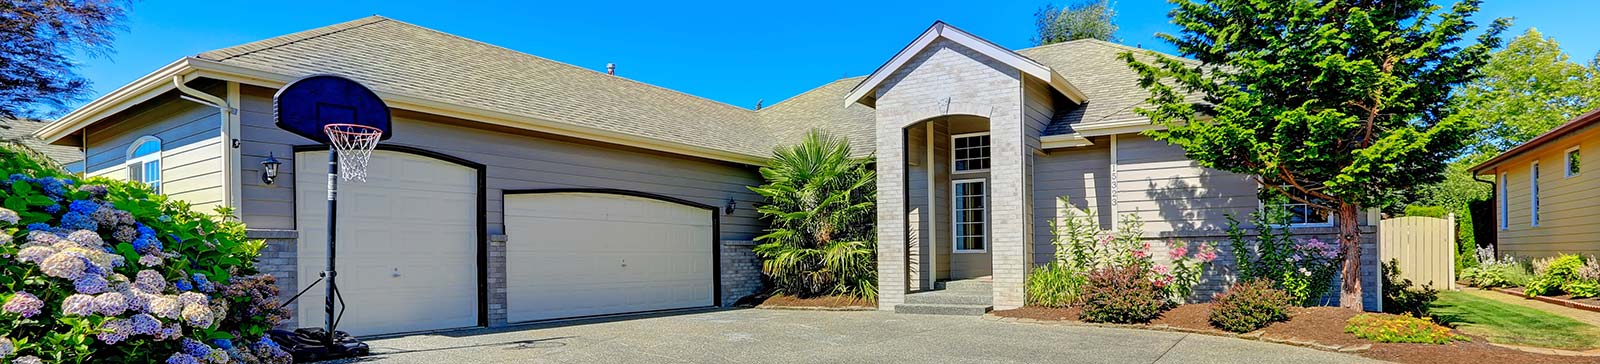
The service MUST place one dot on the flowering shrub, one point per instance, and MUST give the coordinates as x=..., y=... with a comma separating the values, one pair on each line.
x=1491, y=272
x=1302, y=267
x=106, y=271
x=1399, y=329
x=1564, y=273
x=1250, y=305
x=1081, y=247
x=1123, y=295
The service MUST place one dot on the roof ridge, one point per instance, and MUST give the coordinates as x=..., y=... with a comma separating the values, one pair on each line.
x=1104, y=43
x=492, y=45
x=326, y=30
x=807, y=92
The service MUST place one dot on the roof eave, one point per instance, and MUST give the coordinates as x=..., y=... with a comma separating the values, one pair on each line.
x=140, y=90
x=865, y=90
x=1579, y=122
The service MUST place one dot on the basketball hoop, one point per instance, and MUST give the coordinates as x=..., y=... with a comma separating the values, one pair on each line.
x=354, y=143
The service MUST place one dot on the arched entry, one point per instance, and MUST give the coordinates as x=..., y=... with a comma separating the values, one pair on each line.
x=947, y=199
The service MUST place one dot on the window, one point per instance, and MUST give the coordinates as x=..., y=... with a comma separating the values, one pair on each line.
x=1572, y=162
x=1505, y=202
x=1533, y=193
x=1302, y=214
x=971, y=152
x=144, y=162
x=971, y=205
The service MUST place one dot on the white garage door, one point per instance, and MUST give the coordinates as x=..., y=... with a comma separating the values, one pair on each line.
x=407, y=257
x=583, y=254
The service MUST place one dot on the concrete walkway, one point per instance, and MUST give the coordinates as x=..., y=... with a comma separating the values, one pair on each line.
x=776, y=336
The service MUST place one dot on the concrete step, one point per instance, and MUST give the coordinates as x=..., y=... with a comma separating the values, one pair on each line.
x=938, y=309
x=966, y=285
x=951, y=298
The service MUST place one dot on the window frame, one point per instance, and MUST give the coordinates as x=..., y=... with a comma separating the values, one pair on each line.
x=1566, y=162
x=142, y=162
x=1261, y=205
x=989, y=147
x=1533, y=193
x=1505, y=201
x=956, y=221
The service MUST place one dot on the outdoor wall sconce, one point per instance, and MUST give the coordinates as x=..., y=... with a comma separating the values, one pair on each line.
x=269, y=169
x=728, y=210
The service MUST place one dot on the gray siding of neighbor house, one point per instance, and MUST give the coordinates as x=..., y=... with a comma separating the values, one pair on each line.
x=191, y=149
x=514, y=160
x=949, y=79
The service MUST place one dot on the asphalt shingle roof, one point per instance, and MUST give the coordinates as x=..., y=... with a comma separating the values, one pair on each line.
x=21, y=131
x=400, y=58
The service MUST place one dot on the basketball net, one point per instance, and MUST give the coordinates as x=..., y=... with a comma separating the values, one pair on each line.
x=354, y=143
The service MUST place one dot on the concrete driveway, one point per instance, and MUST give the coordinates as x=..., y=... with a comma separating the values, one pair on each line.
x=773, y=336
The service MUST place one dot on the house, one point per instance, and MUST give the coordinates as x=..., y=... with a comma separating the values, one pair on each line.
x=520, y=189
x=1544, y=202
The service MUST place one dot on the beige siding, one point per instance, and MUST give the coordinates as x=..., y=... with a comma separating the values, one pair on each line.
x=1569, y=206
x=190, y=133
x=1081, y=175
x=921, y=216
x=1171, y=193
x=514, y=161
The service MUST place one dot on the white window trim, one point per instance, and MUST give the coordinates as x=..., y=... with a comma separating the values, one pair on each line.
x=953, y=138
x=1505, y=202
x=130, y=161
x=1533, y=194
x=955, y=220
x=1262, y=206
x=1566, y=162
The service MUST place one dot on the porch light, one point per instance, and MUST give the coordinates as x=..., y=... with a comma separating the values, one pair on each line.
x=269, y=169
x=728, y=210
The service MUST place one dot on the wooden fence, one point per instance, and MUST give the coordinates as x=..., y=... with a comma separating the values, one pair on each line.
x=1425, y=247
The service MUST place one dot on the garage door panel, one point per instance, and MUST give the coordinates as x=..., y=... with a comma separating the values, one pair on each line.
x=581, y=254
x=407, y=244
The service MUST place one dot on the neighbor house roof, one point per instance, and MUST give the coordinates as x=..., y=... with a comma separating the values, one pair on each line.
x=1581, y=122
x=424, y=70
x=20, y=131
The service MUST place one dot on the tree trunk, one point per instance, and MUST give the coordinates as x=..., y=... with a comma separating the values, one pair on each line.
x=1350, y=241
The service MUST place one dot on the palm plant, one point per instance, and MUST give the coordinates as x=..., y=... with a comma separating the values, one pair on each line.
x=821, y=205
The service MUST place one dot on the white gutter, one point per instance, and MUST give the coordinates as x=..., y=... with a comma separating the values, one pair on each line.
x=228, y=142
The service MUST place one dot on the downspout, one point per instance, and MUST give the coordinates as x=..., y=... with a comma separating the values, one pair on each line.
x=228, y=142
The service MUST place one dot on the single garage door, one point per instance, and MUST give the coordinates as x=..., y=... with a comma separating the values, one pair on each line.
x=573, y=254
x=407, y=257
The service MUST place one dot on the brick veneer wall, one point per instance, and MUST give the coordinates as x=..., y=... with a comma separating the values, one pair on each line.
x=741, y=271
x=278, y=258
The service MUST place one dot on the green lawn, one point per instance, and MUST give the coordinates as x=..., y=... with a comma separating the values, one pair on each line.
x=1511, y=324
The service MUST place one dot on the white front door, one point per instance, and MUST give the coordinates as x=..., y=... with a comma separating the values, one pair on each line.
x=407, y=247
x=575, y=254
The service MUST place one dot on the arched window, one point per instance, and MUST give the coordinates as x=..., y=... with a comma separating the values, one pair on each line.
x=144, y=162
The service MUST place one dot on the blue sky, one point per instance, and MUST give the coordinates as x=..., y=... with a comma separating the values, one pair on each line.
x=736, y=52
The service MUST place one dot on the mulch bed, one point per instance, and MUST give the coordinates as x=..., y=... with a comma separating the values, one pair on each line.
x=1324, y=326
x=831, y=303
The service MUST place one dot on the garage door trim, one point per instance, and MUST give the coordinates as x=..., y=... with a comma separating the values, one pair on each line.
x=482, y=220
x=716, y=224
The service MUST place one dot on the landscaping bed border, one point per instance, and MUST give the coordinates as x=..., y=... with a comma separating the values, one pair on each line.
x=1258, y=335
x=1552, y=300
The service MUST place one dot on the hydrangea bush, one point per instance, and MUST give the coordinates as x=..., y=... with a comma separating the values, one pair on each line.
x=107, y=271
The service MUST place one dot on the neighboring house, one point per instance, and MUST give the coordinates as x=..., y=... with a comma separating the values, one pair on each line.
x=519, y=189
x=1545, y=198
x=20, y=132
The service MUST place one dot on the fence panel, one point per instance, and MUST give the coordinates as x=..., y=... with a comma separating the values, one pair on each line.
x=1425, y=247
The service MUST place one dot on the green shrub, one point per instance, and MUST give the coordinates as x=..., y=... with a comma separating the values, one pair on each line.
x=1123, y=295
x=1490, y=272
x=1429, y=211
x=1560, y=274
x=821, y=208
x=1399, y=329
x=1053, y=286
x=1401, y=297
x=106, y=271
x=1250, y=305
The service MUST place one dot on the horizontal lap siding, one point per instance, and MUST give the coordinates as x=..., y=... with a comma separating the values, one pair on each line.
x=191, y=155
x=1569, y=206
x=1079, y=174
x=513, y=161
x=1171, y=193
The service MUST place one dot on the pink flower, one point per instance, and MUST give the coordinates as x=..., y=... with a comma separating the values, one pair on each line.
x=1177, y=250
x=1107, y=239
x=1207, y=255
x=1162, y=269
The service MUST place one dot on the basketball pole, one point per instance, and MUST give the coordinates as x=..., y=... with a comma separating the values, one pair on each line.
x=333, y=217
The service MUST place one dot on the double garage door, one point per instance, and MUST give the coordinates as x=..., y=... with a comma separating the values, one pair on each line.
x=408, y=249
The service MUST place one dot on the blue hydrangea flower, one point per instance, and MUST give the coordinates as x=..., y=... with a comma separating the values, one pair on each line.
x=201, y=283
x=17, y=177
x=224, y=344
x=111, y=303
x=149, y=281
x=115, y=330
x=90, y=284
x=78, y=305
x=9, y=217
x=52, y=186
x=194, y=347
x=267, y=342
x=7, y=347
x=52, y=209
x=182, y=285
x=67, y=265
x=74, y=220
x=144, y=324
x=85, y=207
x=23, y=303
x=181, y=358
x=95, y=191
x=39, y=226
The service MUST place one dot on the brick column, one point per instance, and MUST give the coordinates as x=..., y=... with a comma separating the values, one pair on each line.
x=741, y=271
x=891, y=215
x=280, y=259
x=1008, y=204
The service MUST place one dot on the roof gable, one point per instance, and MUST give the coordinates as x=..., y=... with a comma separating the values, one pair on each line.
x=863, y=93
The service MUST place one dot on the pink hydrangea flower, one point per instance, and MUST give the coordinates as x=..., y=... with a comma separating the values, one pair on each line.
x=35, y=254
x=67, y=264
x=78, y=305
x=23, y=303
